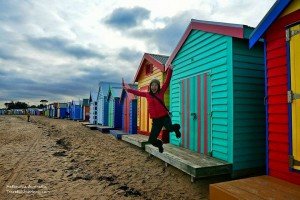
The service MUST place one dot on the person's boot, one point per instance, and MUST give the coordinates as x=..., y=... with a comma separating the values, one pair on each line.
x=176, y=130
x=160, y=146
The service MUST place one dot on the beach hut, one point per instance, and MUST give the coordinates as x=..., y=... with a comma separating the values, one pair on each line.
x=51, y=110
x=2, y=111
x=93, y=108
x=55, y=110
x=69, y=106
x=129, y=111
x=102, y=103
x=75, y=112
x=151, y=66
x=85, y=107
x=280, y=29
x=217, y=94
x=62, y=110
x=47, y=110
x=114, y=107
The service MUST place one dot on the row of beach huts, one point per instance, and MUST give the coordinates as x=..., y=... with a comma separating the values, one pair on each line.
x=235, y=93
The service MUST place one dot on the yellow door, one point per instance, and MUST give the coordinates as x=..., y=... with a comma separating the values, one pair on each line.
x=295, y=88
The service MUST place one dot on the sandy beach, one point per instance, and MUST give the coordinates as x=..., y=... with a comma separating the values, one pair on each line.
x=62, y=159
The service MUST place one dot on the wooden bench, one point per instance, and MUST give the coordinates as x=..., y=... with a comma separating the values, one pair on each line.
x=136, y=139
x=195, y=164
x=92, y=126
x=260, y=187
x=104, y=129
x=118, y=134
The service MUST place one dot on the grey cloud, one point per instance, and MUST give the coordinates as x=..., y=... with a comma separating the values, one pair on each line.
x=15, y=86
x=6, y=55
x=167, y=38
x=64, y=46
x=129, y=55
x=12, y=11
x=127, y=17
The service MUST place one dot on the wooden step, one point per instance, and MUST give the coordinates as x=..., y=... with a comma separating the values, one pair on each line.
x=136, y=139
x=104, y=129
x=260, y=187
x=195, y=164
x=118, y=134
x=92, y=126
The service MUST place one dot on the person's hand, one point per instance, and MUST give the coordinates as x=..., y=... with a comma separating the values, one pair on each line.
x=125, y=87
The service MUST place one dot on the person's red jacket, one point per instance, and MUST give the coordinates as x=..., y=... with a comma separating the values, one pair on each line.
x=155, y=108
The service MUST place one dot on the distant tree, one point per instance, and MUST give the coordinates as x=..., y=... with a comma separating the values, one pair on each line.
x=40, y=106
x=43, y=101
x=17, y=105
x=33, y=106
x=6, y=105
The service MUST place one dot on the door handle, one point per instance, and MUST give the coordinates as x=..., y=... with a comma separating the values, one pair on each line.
x=194, y=115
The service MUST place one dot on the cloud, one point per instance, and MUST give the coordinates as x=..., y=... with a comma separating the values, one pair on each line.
x=64, y=46
x=127, y=17
x=130, y=55
x=165, y=39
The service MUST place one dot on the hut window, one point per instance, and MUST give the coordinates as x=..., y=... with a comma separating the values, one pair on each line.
x=149, y=69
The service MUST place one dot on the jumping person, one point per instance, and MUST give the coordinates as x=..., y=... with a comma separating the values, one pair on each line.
x=157, y=109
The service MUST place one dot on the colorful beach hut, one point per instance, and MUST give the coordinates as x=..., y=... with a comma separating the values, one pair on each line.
x=280, y=29
x=85, y=107
x=51, y=110
x=151, y=66
x=75, y=111
x=217, y=94
x=102, y=103
x=114, y=107
x=129, y=111
x=47, y=111
x=62, y=110
x=93, y=108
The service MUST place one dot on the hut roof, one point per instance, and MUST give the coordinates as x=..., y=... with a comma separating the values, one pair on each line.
x=268, y=19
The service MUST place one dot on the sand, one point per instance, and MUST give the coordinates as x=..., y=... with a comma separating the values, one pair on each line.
x=61, y=159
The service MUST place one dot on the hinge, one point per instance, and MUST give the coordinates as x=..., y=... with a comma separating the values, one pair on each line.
x=292, y=96
x=265, y=100
x=293, y=162
x=287, y=35
x=290, y=33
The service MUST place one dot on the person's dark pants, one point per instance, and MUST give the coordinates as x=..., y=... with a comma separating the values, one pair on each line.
x=157, y=125
x=28, y=117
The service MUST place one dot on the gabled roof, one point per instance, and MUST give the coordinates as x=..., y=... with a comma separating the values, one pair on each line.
x=130, y=95
x=268, y=19
x=158, y=61
x=77, y=103
x=114, y=92
x=85, y=102
x=104, y=87
x=233, y=30
x=93, y=96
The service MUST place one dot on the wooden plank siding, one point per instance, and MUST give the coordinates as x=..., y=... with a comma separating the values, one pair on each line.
x=206, y=52
x=277, y=85
x=249, y=110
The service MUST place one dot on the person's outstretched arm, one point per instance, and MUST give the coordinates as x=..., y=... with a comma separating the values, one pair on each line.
x=168, y=79
x=135, y=92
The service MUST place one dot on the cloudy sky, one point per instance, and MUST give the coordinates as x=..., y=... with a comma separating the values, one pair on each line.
x=60, y=49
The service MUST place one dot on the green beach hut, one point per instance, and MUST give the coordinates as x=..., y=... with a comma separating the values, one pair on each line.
x=217, y=94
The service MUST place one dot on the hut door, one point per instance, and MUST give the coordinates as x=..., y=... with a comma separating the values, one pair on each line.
x=126, y=114
x=294, y=94
x=196, y=113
